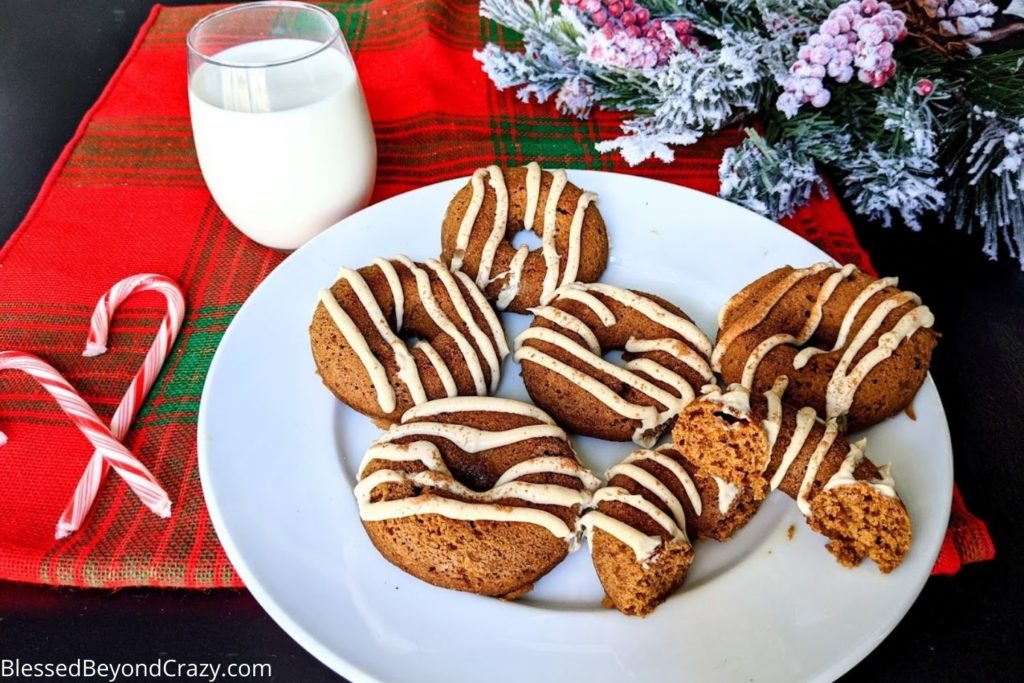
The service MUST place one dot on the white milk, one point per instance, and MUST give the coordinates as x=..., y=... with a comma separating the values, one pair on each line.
x=286, y=150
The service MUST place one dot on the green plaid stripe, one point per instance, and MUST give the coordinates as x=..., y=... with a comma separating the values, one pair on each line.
x=183, y=382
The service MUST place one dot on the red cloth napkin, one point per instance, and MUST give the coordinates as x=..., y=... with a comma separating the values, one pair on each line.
x=126, y=196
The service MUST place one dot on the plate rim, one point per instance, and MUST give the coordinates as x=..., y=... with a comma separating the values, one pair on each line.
x=322, y=651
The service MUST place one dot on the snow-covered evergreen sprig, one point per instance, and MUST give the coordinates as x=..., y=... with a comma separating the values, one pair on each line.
x=772, y=180
x=908, y=128
x=698, y=91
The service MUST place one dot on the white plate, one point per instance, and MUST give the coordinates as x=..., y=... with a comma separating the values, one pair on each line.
x=277, y=455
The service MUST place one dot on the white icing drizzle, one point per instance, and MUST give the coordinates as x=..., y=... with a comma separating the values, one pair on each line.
x=486, y=344
x=659, y=372
x=820, y=451
x=571, y=291
x=422, y=451
x=548, y=248
x=844, y=382
x=652, y=484
x=858, y=303
x=672, y=465
x=676, y=348
x=843, y=385
x=550, y=464
x=408, y=372
x=440, y=367
x=804, y=356
x=497, y=182
x=767, y=303
x=727, y=493
x=546, y=334
x=470, y=439
x=466, y=226
x=478, y=508
x=643, y=374
x=468, y=404
x=621, y=495
x=647, y=415
x=805, y=419
x=533, y=178
x=395, y=284
x=808, y=329
x=844, y=475
x=470, y=504
x=439, y=317
x=497, y=331
x=653, y=311
x=572, y=260
x=734, y=401
x=672, y=404
x=773, y=421
x=378, y=376
x=510, y=289
x=569, y=322
x=643, y=546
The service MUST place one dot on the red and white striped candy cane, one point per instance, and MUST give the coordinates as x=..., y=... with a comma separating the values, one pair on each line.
x=99, y=327
x=120, y=458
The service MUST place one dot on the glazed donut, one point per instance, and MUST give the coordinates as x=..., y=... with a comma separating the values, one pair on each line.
x=638, y=527
x=560, y=353
x=476, y=236
x=357, y=331
x=853, y=347
x=757, y=442
x=475, y=494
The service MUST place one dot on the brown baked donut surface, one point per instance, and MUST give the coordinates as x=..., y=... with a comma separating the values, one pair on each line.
x=482, y=218
x=854, y=347
x=476, y=494
x=561, y=352
x=360, y=326
x=641, y=525
x=758, y=442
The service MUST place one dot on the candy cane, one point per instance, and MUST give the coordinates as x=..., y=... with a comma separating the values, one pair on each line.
x=99, y=327
x=124, y=463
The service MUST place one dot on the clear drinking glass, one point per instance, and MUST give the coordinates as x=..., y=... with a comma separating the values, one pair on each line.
x=280, y=123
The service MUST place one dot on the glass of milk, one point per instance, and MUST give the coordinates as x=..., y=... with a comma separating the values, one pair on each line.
x=281, y=128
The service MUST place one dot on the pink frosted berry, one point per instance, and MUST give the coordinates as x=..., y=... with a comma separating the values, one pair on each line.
x=627, y=37
x=924, y=87
x=856, y=38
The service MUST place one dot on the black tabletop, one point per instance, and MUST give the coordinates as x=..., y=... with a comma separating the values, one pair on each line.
x=55, y=58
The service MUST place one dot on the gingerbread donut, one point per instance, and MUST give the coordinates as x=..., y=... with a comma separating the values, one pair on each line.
x=359, y=324
x=476, y=236
x=640, y=526
x=853, y=347
x=476, y=494
x=563, y=369
x=758, y=442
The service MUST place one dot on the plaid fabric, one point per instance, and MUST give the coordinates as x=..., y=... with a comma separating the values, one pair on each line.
x=126, y=196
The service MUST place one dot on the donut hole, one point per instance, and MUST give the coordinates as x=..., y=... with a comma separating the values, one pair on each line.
x=411, y=339
x=614, y=356
x=526, y=238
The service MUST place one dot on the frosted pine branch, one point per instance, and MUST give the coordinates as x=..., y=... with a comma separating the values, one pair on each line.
x=882, y=185
x=774, y=181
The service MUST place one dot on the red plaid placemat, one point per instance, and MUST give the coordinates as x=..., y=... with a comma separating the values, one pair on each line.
x=126, y=196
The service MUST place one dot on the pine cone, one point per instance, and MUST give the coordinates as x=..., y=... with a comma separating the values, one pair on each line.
x=951, y=25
